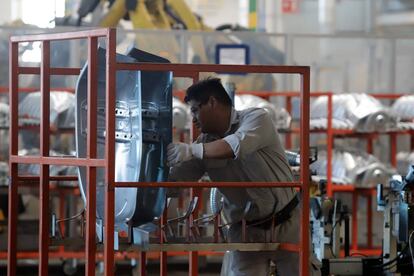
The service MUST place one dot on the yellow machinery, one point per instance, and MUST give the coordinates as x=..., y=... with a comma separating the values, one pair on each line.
x=151, y=14
x=175, y=14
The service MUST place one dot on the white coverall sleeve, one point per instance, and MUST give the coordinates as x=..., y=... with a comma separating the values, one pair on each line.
x=256, y=131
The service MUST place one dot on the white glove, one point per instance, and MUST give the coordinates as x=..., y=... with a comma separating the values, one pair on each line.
x=180, y=152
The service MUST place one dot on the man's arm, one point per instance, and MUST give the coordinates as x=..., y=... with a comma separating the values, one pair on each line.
x=218, y=149
x=181, y=152
x=255, y=131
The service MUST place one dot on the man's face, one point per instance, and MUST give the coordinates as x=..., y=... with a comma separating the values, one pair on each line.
x=200, y=115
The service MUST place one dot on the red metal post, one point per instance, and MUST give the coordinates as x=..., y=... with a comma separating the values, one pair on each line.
x=304, y=170
x=90, y=248
x=142, y=263
x=13, y=148
x=44, y=151
x=110, y=152
x=370, y=144
x=369, y=220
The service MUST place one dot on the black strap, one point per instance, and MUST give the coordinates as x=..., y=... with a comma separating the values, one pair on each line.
x=279, y=217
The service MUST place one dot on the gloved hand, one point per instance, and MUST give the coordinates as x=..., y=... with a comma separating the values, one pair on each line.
x=180, y=152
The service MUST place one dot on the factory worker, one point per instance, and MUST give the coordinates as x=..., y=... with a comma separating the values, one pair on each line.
x=241, y=146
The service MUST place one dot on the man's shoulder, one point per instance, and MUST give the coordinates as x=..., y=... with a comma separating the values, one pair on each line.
x=252, y=112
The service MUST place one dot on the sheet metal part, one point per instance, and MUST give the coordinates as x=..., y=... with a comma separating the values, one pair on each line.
x=62, y=118
x=352, y=167
x=4, y=172
x=4, y=115
x=403, y=109
x=127, y=146
x=156, y=101
x=360, y=112
x=4, y=124
x=143, y=130
x=62, y=109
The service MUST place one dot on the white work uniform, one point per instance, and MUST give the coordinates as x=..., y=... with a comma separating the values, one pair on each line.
x=258, y=157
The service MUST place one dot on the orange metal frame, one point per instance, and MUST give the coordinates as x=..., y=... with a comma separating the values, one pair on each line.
x=92, y=162
x=368, y=193
x=331, y=134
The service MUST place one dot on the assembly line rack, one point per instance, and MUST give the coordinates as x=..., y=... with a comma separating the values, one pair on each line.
x=91, y=162
x=332, y=134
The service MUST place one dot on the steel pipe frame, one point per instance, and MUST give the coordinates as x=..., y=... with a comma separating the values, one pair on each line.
x=179, y=70
x=334, y=133
x=367, y=193
x=44, y=160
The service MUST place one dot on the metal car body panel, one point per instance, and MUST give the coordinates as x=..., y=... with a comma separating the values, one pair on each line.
x=403, y=108
x=360, y=112
x=156, y=101
x=142, y=132
x=4, y=173
x=62, y=117
x=4, y=115
x=4, y=124
x=350, y=166
x=62, y=109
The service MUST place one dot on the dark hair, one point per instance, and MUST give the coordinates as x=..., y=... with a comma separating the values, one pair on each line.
x=204, y=89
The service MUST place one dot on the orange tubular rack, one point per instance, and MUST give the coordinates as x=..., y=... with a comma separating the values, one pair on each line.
x=91, y=162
